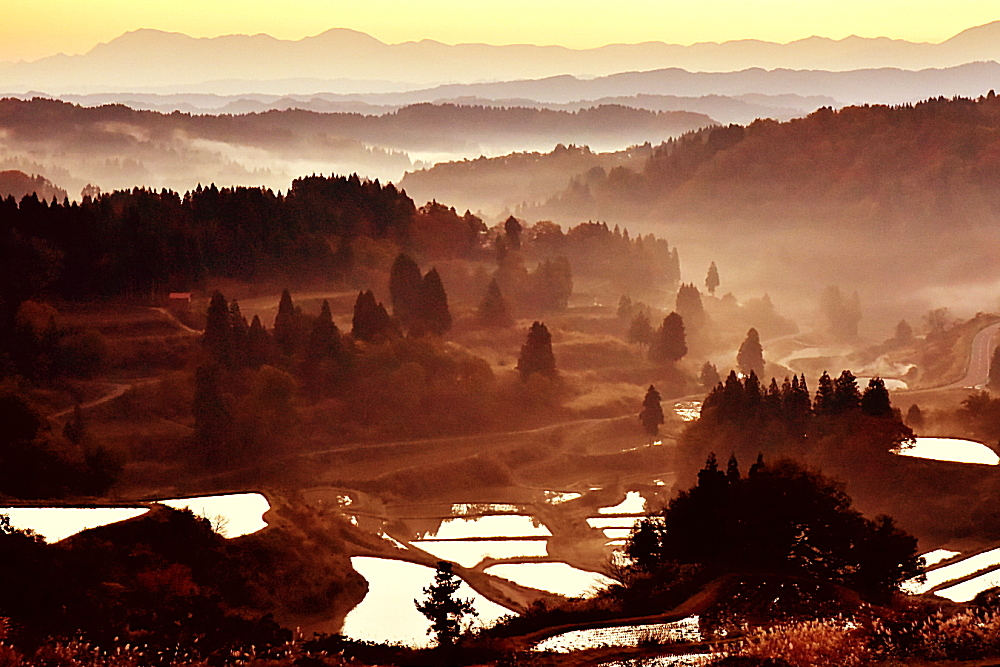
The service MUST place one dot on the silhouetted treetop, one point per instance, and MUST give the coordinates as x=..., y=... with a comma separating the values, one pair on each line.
x=536, y=353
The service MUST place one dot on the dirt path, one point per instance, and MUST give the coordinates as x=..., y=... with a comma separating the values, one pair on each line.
x=117, y=389
x=173, y=319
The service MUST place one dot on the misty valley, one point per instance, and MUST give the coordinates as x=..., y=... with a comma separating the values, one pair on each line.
x=584, y=359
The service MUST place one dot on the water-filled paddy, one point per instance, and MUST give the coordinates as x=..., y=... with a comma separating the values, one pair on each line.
x=506, y=525
x=469, y=554
x=553, y=577
x=952, y=449
x=962, y=568
x=387, y=613
x=237, y=514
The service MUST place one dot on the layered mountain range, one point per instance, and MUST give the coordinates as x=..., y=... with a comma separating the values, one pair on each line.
x=342, y=60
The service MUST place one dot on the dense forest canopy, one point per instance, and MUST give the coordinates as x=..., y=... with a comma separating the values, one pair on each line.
x=910, y=166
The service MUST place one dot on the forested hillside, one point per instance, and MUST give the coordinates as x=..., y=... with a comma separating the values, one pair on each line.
x=930, y=163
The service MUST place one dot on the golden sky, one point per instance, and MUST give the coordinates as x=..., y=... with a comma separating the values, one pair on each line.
x=30, y=29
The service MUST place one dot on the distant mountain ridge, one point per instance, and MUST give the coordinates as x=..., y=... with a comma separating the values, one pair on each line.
x=149, y=60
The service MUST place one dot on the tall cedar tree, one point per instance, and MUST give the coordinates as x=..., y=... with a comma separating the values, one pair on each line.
x=286, y=324
x=625, y=308
x=669, y=343
x=406, y=289
x=709, y=376
x=324, y=339
x=875, y=401
x=435, y=315
x=240, y=333
x=371, y=322
x=536, y=353
x=750, y=358
x=512, y=230
x=640, y=330
x=690, y=307
x=218, y=337
x=493, y=311
x=443, y=608
x=652, y=414
x=712, y=279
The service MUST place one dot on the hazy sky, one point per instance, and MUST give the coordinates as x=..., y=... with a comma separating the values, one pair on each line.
x=32, y=29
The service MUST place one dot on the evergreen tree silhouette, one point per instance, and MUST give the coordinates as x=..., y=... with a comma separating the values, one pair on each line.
x=875, y=400
x=285, y=324
x=669, y=343
x=406, y=290
x=640, y=331
x=536, y=353
x=512, y=231
x=443, y=608
x=371, y=322
x=652, y=413
x=712, y=279
x=324, y=339
x=709, y=376
x=435, y=313
x=750, y=357
x=493, y=311
x=217, y=338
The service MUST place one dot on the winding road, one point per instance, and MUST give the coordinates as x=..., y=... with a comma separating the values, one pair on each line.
x=978, y=371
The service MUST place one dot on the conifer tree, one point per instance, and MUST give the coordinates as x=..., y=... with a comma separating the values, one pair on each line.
x=824, y=402
x=259, y=344
x=709, y=376
x=640, y=331
x=690, y=307
x=669, y=343
x=625, y=308
x=652, y=413
x=435, y=313
x=406, y=290
x=512, y=231
x=875, y=400
x=846, y=396
x=750, y=358
x=914, y=417
x=217, y=338
x=324, y=339
x=493, y=311
x=371, y=322
x=712, y=279
x=536, y=353
x=443, y=608
x=285, y=324
x=240, y=332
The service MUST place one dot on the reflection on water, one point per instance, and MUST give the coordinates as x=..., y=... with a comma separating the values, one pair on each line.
x=387, y=613
x=612, y=521
x=962, y=568
x=688, y=410
x=557, y=498
x=469, y=554
x=684, y=660
x=235, y=514
x=633, y=504
x=508, y=525
x=938, y=555
x=967, y=590
x=952, y=449
x=57, y=523
x=685, y=630
x=553, y=577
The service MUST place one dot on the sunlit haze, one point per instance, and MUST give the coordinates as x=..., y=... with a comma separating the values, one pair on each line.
x=46, y=27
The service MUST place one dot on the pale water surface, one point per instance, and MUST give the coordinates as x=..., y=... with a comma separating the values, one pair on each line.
x=553, y=577
x=952, y=449
x=388, y=614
